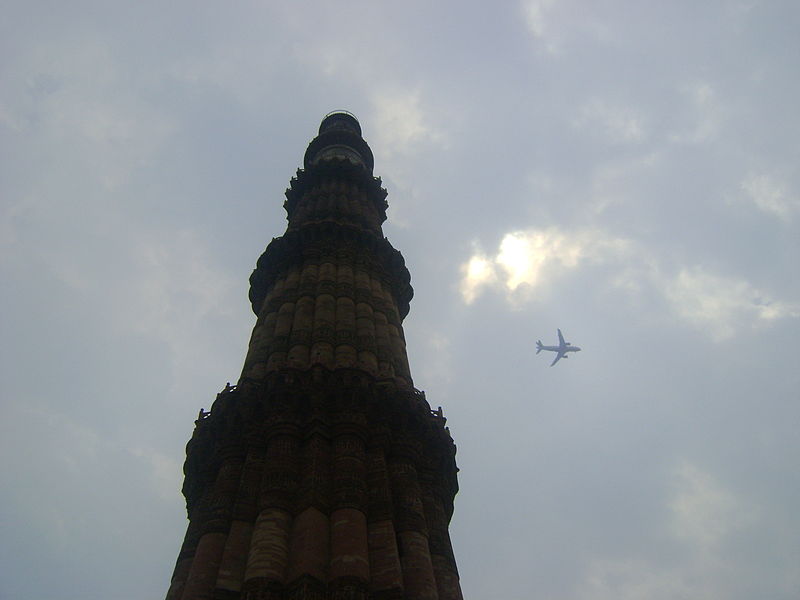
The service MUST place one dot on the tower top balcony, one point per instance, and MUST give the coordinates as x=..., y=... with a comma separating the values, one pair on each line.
x=339, y=138
x=341, y=120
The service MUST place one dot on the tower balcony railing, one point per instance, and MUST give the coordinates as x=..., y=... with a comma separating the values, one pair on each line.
x=437, y=415
x=340, y=112
x=333, y=121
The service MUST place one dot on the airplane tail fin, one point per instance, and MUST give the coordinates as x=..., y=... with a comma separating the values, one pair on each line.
x=538, y=346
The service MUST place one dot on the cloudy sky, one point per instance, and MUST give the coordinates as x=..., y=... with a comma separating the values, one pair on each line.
x=626, y=171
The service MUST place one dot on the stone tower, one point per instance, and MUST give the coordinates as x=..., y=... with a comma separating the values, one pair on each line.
x=323, y=474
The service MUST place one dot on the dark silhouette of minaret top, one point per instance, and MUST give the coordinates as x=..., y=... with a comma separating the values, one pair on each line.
x=323, y=473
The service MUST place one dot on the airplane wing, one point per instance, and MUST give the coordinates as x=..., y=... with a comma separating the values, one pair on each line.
x=561, y=341
x=556, y=359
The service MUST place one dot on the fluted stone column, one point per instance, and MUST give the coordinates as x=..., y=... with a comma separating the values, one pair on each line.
x=323, y=474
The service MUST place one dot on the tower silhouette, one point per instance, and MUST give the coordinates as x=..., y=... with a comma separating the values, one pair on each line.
x=323, y=474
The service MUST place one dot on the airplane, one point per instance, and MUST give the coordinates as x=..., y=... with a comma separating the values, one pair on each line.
x=562, y=348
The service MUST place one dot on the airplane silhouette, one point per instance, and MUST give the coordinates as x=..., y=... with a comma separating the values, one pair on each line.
x=562, y=348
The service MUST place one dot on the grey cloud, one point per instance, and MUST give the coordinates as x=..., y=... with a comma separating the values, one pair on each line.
x=145, y=152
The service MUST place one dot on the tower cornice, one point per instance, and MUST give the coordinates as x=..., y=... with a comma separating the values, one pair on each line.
x=325, y=239
x=306, y=179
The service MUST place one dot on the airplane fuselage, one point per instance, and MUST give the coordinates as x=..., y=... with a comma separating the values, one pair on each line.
x=560, y=349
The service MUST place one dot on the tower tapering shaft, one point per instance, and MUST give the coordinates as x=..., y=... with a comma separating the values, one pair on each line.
x=323, y=474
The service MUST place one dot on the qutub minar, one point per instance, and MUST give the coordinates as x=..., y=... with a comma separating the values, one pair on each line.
x=323, y=474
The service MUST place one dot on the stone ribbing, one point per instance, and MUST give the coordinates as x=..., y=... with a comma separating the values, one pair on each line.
x=323, y=474
x=319, y=483
x=330, y=304
x=336, y=190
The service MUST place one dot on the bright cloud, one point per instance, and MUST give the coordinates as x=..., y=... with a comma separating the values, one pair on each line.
x=527, y=258
x=478, y=272
x=771, y=196
x=720, y=304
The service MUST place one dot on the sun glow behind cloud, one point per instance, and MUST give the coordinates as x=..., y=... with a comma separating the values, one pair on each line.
x=525, y=259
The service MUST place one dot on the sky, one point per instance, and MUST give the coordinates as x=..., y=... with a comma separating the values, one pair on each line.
x=625, y=171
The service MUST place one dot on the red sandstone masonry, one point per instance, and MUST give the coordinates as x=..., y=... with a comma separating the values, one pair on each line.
x=203, y=574
x=350, y=548
x=417, y=568
x=323, y=474
x=179, y=578
x=309, y=549
x=184, y=562
x=385, y=570
x=234, y=557
x=269, y=548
